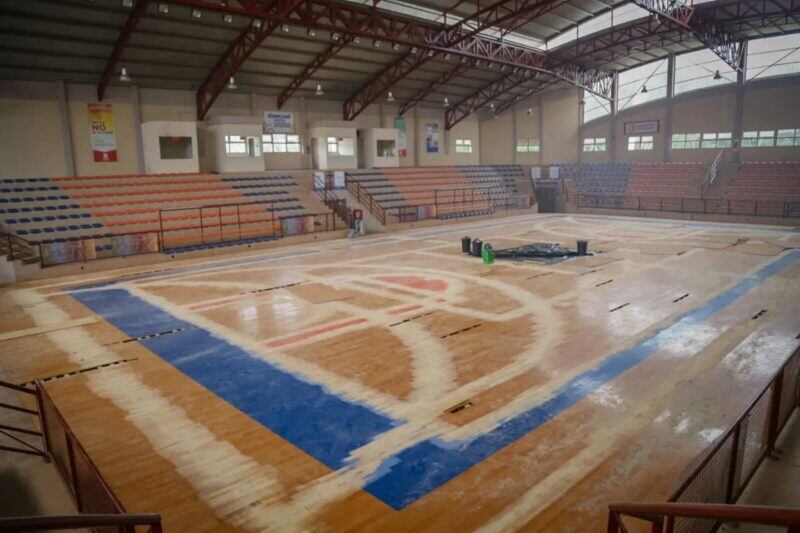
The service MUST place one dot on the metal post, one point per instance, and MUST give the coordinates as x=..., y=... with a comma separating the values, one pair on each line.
x=774, y=412
x=219, y=212
x=729, y=490
x=42, y=420
x=75, y=488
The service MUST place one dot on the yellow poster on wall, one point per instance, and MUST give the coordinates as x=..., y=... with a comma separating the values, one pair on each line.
x=103, y=133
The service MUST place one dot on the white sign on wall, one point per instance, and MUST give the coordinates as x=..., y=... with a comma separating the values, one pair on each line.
x=553, y=173
x=278, y=122
x=638, y=128
x=536, y=173
x=338, y=179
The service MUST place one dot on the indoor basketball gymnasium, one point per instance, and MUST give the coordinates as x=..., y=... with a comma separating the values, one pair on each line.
x=400, y=265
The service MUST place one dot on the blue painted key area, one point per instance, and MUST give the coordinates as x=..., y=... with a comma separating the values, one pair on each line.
x=417, y=470
x=320, y=423
x=329, y=428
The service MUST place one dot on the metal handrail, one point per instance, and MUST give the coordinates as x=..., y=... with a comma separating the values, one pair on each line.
x=49, y=416
x=42, y=523
x=678, y=204
x=735, y=483
x=711, y=175
x=662, y=515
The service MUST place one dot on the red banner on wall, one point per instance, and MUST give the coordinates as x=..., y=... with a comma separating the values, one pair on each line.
x=103, y=133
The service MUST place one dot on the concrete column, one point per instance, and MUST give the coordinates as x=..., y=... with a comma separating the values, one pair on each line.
x=612, y=122
x=253, y=104
x=303, y=127
x=137, y=128
x=669, y=105
x=514, y=134
x=417, y=136
x=738, y=115
x=540, y=118
x=66, y=132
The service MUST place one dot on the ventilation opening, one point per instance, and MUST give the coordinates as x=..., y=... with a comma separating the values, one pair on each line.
x=678, y=299
x=619, y=307
x=759, y=314
x=276, y=288
x=460, y=331
x=457, y=408
x=81, y=371
x=409, y=319
x=539, y=275
x=153, y=335
x=604, y=283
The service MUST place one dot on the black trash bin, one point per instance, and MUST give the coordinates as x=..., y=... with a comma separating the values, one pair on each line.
x=477, y=247
x=465, y=244
x=582, y=246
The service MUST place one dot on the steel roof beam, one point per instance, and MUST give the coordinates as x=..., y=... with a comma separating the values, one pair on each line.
x=352, y=19
x=116, y=53
x=597, y=82
x=313, y=67
x=726, y=44
x=460, y=69
x=240, y=49
x=494, y=15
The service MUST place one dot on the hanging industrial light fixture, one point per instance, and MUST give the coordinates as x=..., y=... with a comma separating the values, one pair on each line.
x=123, y=76
x=319, y=91
x=390, y=97
x=232, y=84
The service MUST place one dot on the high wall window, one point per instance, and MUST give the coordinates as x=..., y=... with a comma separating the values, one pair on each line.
x=773, y=56
x=640, y=143
x=685, y=141
x=760, y=139
x=280, y=143
x=463, y=146
x=242, y=146
x=594, y=144
x=341, y=146
x=701, y=69
x=716, y=140
x=642, y=84
x=333, y=145
x=527, y=146
x=788, y=138
x=594, y=107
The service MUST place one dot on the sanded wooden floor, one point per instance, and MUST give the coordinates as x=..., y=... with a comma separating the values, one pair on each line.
x=391, y=383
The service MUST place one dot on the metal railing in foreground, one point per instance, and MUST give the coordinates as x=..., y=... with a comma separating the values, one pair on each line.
x=212, y=224
x=450, y=208
x=662, y=516
x=86, y=485
x=367, y=200
x=706, y=206
x=721, y=474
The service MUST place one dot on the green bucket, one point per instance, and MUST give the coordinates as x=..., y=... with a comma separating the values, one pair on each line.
x=488, y=254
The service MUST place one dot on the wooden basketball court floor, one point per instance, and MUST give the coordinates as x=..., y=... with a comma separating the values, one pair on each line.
x=391, y=383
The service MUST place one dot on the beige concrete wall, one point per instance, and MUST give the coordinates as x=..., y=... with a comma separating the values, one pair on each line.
x=644, y=113
x=528, y=127
x=771, y=108
x=30, y=115
x=560, y=120
x=497, y=132
x=30, y=139
x=770, y=104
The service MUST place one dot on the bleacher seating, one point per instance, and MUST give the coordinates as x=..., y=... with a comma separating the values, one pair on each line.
x=671, y=180
x=767, y=180
x=54, y=209
x=457, y=191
